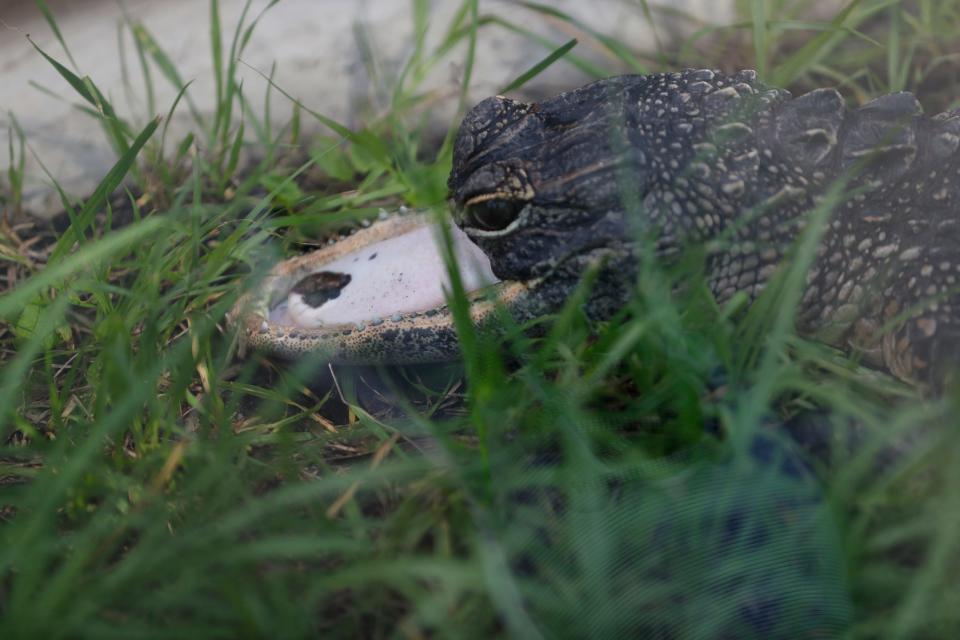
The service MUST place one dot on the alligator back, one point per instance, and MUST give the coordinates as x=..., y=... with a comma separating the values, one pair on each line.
x=735, y=161
x=550, y=189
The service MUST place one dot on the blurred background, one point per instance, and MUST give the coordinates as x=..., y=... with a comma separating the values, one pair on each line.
x=337, y=56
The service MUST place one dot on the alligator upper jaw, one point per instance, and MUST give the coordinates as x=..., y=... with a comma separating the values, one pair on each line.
x=375, y=297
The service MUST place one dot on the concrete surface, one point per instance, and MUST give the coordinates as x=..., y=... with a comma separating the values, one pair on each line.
x=313, y=44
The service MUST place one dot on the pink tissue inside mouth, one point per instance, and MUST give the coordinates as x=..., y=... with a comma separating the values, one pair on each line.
x=280, y=316
x=400, y=275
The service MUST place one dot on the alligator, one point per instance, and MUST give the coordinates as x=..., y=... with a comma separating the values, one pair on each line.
x=605, y=175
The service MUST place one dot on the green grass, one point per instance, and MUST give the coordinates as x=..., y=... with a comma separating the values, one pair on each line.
x=602, y=479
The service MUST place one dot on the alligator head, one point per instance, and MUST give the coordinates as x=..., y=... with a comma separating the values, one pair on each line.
x=537, y=194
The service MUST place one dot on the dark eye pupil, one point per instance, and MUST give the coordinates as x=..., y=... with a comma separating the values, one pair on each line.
x=494, y=215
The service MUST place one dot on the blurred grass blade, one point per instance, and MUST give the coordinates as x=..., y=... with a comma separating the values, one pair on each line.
x=781, y=299
x=810, y=54
x=170, y=113
x=48, y=16
x=470, y=32
x=13, y=302
x=536, y=69
x=241, y=37
x=169, y=70
x=612, y=45
x=226, y=92
x=761, y=48
x=16, y=147
x=365, y=140
x=111, y=181
x=143, y=61
x=589, y=68
x=471, y=55
x=648, y=14
x=15, y=372
x=233, y=160
x=89, y=92
x=216, y=47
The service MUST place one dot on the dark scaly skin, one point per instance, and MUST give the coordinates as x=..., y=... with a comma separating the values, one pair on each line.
x=551, y=188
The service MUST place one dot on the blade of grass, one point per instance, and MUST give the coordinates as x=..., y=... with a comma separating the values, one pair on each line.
x=898, y=62
x=226, y=94
x=267, y=108
x=118, y=131
x=916, y=607
x=107, y=186
x=420, y=10
x=538, y=68
x=366, y=140
x=152, y=49
x=761, y=47
x=13, y=302
x=169, y=118
x=52, y=22
x=583, y=64
x=216, y=47
x=148, y=87
x=612, y=45
x=241, y=37
x=65, y=202
x=295, y=124
x=15, y=372
x=234, y=158
x=17, y=162
x=470, y=31
x=786, y=290
x=648, y=15
x=813, y=52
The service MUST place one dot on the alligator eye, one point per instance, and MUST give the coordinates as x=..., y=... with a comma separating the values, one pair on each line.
x=494, y=215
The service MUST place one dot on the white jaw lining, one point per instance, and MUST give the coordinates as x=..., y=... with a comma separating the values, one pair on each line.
x=390, y=278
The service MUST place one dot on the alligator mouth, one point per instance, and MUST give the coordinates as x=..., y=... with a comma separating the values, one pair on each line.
x=377, y=296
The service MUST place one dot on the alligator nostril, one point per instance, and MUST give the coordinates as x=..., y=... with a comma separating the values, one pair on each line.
x=322, y=286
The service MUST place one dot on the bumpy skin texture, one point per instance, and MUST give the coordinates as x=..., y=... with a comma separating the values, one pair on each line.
x=551, y=188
